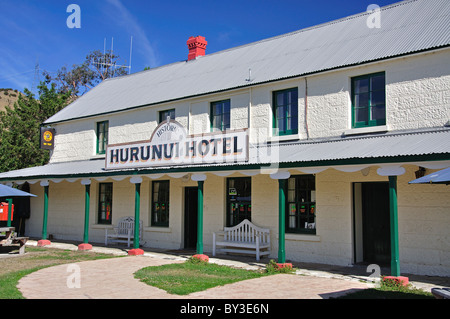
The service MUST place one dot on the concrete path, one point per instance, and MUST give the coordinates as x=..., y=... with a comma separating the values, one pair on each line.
x=113, y=279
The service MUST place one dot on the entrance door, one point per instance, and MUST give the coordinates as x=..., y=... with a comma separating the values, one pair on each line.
x=376, y=223
x=190, y=217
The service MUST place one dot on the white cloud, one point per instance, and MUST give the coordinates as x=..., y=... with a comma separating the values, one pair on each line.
x=123, y=16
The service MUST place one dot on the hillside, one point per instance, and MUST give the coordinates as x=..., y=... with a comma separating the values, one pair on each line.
x=8, y=97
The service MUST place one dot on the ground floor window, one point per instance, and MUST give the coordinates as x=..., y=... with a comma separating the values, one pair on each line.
x=105, y=203
x=239, y=200
x=160, y=203
x=301, y=204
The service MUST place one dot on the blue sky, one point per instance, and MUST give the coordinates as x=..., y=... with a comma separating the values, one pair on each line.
x=36, y=31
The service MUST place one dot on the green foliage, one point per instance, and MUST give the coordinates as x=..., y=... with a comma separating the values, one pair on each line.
x=191, y=276
x=20, y=127
x=9, y=281
x=273, y=268
x=98, y=66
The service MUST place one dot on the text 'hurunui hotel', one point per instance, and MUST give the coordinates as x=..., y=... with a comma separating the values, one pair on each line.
x=313, y=135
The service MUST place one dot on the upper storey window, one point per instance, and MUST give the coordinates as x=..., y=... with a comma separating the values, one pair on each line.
x=285, y=112
x=163, y=115
x=369, y=100
x=220, y=115
x=102, y=136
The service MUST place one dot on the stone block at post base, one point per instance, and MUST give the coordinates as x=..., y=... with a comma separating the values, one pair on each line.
x=135, y=252
x=284, y=265
x=84, y=246
x=401, y=280
x=201, y=257
x=43, y=242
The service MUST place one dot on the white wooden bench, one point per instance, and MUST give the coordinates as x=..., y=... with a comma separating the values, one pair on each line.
x=123, y=232
x=244, y=238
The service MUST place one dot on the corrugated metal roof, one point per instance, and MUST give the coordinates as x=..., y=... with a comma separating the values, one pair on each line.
x=388, y=145
x=336, y=151
x=406, y=27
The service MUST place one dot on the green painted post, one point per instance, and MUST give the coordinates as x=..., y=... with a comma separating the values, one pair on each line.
x=8, y=223
x=137, y=207
x=393, y=212
x=200, y=218
x=44, y=223
x=86, y=213
x=281, y=220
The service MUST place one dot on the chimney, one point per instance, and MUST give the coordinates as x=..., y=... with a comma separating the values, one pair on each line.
x=197, y=47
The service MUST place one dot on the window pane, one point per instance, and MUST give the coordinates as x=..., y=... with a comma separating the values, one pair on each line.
x=361, y=114
x=167, y=113
x=378, y=112
x=281, y=112
x=300, y=213
x=217, y=109
x=226, y=121
x=361, y=86
x=281, y=125
x=378, y=97
x=362, y=100
x=285, y=111
x=293, y=97
x=280, y=99
x=220, y=115
x=102, y=137
x=238, y=200
x=105, y=203
x=378, y=82
x=226, y=106
x=217, y=123
x=160, y=206
x=369, y=100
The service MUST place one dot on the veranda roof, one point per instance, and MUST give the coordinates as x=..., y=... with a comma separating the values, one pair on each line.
x=358, y=151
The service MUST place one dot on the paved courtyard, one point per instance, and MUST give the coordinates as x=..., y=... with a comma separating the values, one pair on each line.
x=114, y=279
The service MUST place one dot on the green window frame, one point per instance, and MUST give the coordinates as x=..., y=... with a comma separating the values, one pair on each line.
x=220, y=115
x=285, y=112
x=239, y=200
x=160, y=203
x=301, y=204
x=164, y=114
x=102, y=136
x=369, y=100
x=105, y=198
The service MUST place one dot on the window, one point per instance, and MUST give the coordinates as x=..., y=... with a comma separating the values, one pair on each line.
x=369, y=100
x=239, y=200
x=102, y=136
x=167, y=113
x=301, y=204
x=220, y=115
x=105, y=203
x=285, y=112
x=160, y=203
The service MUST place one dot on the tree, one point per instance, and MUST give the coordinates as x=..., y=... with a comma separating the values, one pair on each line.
x=20, y=127
x=97, y=67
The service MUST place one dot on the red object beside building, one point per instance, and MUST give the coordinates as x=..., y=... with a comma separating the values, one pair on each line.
x=4, y=211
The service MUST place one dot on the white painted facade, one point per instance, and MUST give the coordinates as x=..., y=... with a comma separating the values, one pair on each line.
x=417, y=96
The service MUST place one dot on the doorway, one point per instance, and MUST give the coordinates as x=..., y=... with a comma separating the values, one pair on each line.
x=190, y=217
x=372, y=223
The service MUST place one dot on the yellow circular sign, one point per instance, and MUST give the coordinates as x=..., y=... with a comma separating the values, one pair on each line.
x=48, y=136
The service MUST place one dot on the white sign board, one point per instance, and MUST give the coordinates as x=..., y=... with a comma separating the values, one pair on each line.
x=169, y=146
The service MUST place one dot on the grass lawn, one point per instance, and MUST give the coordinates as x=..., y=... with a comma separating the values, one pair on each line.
x=180, y=279
x=189, y=277
x=14, y=267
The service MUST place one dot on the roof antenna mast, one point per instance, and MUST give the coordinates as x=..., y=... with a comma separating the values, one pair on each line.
x=105, y=63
